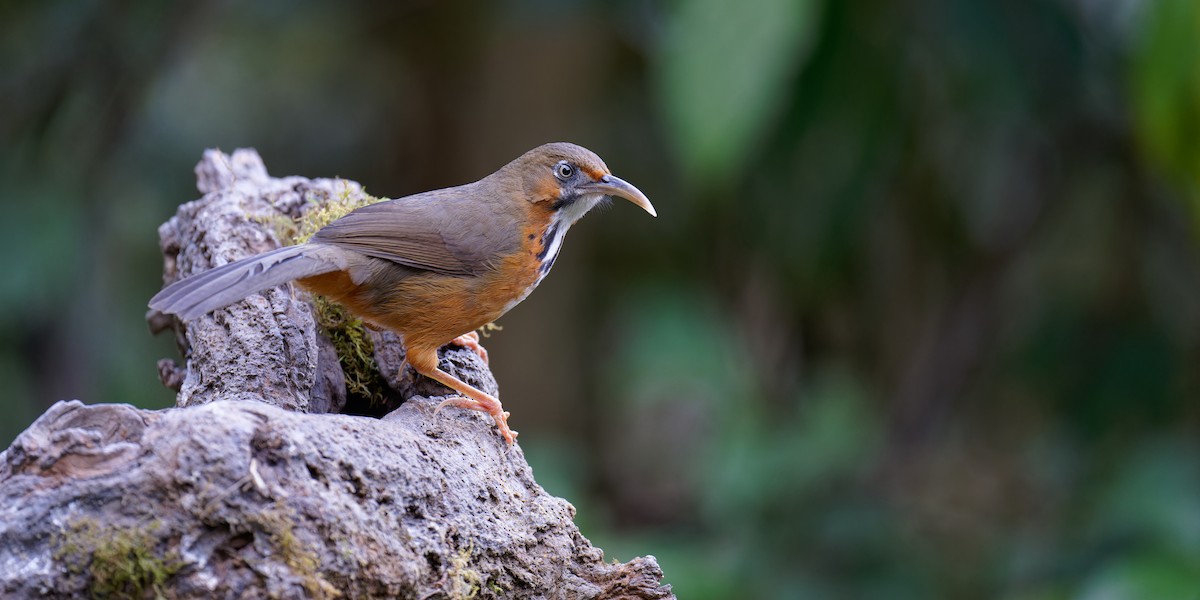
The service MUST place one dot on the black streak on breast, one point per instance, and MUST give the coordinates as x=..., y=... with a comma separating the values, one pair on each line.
x=547, y=239
x=545, y=268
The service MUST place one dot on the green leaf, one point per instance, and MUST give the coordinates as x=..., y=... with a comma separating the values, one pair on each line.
x=1166, y=91
x=723, y=71
x=1146, y=576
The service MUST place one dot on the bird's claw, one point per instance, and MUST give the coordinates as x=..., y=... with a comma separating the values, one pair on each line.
x=498, y=414
x=470, y=341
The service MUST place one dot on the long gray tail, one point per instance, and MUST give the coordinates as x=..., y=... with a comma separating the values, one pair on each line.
x=199, y=294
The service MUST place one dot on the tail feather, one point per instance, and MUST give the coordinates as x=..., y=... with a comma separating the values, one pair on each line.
x=205, y=292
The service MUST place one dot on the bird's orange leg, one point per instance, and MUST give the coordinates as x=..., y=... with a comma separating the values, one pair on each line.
x=425, y=363
x=471, y=342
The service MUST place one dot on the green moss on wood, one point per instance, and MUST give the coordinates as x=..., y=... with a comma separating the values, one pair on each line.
x=355, y=350
x=118, y=562
x=464, y=582
x=278, y=524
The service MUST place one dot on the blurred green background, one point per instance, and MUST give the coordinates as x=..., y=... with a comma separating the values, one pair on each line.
x=920, y=318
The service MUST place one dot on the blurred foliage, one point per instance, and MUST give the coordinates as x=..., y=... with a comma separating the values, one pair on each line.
x=921, y=316
x=723, y=68
x=1166, y=92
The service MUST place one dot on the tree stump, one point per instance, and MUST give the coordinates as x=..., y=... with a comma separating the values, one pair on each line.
x=253, y=487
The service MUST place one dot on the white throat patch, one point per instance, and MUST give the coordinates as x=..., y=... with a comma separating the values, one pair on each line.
x=575, y=210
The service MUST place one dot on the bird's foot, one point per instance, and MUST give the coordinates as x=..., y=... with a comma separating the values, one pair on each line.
x=470, y=341
x=492, y=408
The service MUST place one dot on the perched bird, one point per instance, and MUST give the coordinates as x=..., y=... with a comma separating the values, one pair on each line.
x=435, y=266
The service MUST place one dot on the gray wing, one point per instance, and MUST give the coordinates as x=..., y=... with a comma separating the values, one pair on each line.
x=205, y=292
x=455, y=231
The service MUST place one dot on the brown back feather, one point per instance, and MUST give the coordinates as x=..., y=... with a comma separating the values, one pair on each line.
x=454, y=231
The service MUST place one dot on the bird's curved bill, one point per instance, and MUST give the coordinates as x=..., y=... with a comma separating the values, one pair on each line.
x=611, y=185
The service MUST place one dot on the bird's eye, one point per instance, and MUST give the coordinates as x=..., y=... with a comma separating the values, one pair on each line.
x=564, y=170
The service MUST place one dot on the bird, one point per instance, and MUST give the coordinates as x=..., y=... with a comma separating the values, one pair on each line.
x=433, y=267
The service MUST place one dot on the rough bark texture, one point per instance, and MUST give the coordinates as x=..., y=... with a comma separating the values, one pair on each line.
x=265, y=348
x=244, y=492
